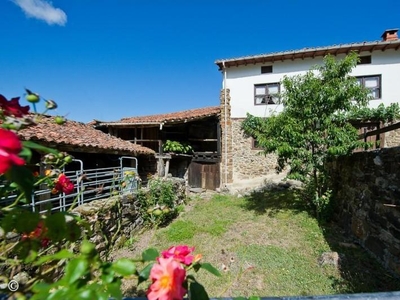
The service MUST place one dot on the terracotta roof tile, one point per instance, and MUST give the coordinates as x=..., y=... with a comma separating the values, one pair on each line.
x=186, y=115
x=83, y=137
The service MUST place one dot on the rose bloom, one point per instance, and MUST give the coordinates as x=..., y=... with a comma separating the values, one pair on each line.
x=180, y=253
x=38, y=233
x=10, y=147
x=167, y=276
x=63, y=184
x=12, y=107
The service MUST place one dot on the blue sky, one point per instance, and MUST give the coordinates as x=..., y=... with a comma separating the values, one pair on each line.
x=108, y=59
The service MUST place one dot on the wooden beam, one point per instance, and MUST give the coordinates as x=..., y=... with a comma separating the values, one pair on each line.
x=219, y=139
x=379, y=131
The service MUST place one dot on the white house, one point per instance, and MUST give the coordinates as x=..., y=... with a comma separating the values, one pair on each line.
x=251, y=82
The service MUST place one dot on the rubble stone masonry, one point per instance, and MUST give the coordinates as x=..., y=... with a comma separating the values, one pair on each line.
x=248, y=162
x=366, y=190
x=226, y=139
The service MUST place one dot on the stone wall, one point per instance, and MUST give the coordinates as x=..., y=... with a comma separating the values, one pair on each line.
x=366, y=189
x=248, y=162
x=239, y=160
x=115, y=220
x=392, y=138
x=226, y=138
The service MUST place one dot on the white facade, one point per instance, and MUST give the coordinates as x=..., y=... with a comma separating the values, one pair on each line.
x=241, y=80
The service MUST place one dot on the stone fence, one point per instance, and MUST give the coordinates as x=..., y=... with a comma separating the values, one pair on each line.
x=115, y=220
x=367, y=195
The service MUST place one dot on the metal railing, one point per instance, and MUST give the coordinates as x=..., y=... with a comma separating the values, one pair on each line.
x=89, y=185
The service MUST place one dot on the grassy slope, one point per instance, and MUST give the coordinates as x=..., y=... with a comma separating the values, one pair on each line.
x=265, y=245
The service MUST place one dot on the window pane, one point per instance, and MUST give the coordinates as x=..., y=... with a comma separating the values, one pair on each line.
x=375, y=93
x=260, y=90
x=260, y=100
x=371, y=82
x=273, y=89
x=274, y=99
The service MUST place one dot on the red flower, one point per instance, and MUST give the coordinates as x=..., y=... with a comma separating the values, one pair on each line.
x=63, y=184
x=10, y=146
x=12, y=107
x=167, y=276
x=180, y=253
x=39, y=233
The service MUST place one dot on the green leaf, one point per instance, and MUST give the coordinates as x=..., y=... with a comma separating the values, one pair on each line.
x=150, y=254
x=27, y=221
x=114, y=289
x=59, y=294
x=26, y=154
x=32, y=254
x=73, y=232
x=198, y=292
x=101, y=295
x=41, y=287
x=75, y=269
x=145, y=273
x=57, y=226
x=254, y=298
x=62, y=254
x=86, y=294
x=124, y=267
x=210, y=268
x=196, y=267
x=23, y=178
x=20, y=219
x=108, y=275
x=33, y=145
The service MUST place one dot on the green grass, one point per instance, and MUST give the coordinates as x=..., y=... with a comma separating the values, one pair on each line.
x=267, y=244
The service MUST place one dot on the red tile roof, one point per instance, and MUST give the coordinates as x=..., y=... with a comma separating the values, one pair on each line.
x=175, y=117
x=79, y=137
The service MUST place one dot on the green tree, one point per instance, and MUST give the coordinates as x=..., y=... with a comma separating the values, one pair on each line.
x=314, y=124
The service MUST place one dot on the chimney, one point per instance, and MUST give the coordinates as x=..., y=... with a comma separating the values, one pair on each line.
x=390, y=35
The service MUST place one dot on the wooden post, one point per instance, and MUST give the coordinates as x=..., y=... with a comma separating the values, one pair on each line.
x=218, y=139
x=166, y=168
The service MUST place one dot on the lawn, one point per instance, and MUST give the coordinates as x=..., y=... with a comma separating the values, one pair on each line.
x=266, y=244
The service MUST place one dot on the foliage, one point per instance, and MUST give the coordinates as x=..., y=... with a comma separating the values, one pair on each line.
x=381, y=113
x=314, y=124
x=47, y=244
x=159, y=203
x=177, y=147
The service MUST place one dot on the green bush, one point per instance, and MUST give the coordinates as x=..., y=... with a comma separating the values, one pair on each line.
x=160, y=202
x=175, y=146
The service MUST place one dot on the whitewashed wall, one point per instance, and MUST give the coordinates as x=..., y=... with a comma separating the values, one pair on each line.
x=241, y=80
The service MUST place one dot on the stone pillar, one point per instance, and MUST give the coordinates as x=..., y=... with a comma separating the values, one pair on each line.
x=226, y=138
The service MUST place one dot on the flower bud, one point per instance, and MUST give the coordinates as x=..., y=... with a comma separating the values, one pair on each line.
x=50, y=104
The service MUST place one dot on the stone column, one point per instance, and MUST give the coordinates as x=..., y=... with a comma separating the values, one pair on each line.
x=226, y=138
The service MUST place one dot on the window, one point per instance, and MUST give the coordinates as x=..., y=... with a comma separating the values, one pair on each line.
x=267, y=93
x=266, y=69
x=254, y=144
x=364, y=60
x=373, y=83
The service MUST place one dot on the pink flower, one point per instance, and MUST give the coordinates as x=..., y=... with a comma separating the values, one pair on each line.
x=12, y=107
x=63, y=184
x=167, y=276
x=180, y=253
x=10, y=147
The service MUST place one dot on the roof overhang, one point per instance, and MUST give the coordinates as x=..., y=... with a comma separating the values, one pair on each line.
x=307, y=53
x=154, y=124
